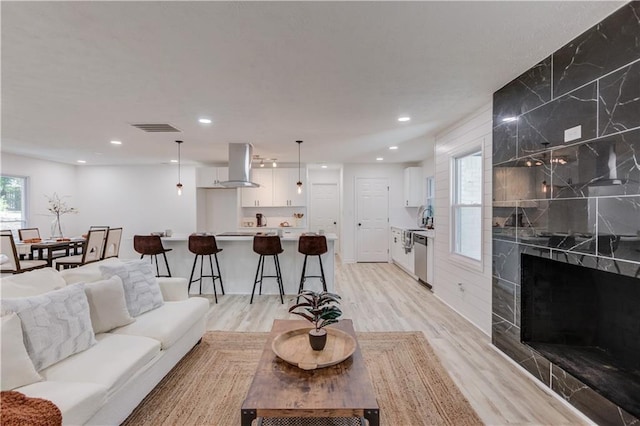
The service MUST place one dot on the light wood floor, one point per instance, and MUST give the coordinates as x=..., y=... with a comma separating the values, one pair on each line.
x=381, y=297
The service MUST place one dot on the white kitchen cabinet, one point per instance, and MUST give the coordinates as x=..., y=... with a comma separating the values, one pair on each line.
x=413, y=187
x=211, y=177
x=263, y=195
x=399, y=255
x=277, y=189
x=285, y=188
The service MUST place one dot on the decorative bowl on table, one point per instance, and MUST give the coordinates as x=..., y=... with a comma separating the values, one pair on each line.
x=293, y=347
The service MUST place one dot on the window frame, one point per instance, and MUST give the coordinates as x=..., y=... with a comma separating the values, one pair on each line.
x=24, y=222
x=464, y=259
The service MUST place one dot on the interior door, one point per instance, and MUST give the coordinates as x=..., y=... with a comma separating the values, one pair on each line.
x=372, y=220
x=324, y=210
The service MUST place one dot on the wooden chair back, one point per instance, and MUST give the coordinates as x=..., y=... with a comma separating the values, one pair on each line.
x=94, y=247
x=112, y=245
x=8, y=248
x=28, y=233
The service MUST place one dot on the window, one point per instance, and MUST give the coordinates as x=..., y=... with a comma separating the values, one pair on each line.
x=13, y=213
x=467, y=205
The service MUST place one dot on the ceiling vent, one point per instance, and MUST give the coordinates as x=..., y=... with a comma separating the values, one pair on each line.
x=156, y=127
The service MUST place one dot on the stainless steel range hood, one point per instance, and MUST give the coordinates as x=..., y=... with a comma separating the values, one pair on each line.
x=240, y=155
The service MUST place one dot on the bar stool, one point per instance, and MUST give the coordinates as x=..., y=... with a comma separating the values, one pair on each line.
x=267, y=245
x=201, y=246
x=151, y=245
x=312, y=245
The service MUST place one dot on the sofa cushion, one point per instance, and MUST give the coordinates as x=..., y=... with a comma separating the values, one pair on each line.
x=110, y=363
x=16, y=368
x=169, y=322
x=32, y=283
x=88, y=273
x=78, y=402
x=107, y=304
x=141, y=288
x=55, y=324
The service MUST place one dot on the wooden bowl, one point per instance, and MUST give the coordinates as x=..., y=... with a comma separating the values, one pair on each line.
x=293, y=347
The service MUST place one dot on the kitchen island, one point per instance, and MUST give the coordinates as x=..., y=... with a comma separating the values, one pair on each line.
x=238, y=264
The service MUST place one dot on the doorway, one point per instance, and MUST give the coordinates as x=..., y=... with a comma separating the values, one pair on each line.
x=372, y=220
x=325, y=209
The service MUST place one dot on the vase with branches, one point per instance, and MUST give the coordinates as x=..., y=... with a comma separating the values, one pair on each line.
x=320, y=309
x=58, y=207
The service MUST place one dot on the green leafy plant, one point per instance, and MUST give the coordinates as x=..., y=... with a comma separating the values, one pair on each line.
x=321, y=309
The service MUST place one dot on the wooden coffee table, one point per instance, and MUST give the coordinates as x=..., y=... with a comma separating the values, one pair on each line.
x=280, y=389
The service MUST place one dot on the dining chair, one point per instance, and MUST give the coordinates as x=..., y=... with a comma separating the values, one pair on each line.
x=112, y=244
x=604, y=245
x=91, y=252
x=28, y=233
x=12, y=263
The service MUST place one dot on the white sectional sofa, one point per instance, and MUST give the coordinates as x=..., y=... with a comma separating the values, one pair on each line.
x=103, y=384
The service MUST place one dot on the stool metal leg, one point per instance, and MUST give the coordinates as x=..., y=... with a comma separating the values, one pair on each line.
x=324, y=282
x=219, y=273
x=201, y=268
x=166, y=262
x=279, y=277
x=255, y=281
x=262, y=273
x=193, y=269
x=302, y=277
x=213, y=280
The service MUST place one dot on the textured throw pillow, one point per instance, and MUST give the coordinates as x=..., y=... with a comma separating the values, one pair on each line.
x=16, y=368
x=107, y=304
x=141, y=289
x=55, y=324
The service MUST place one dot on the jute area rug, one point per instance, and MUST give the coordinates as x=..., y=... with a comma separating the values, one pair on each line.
x=209, y=385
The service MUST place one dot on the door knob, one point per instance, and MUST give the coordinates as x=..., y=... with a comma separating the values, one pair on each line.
x=335, y=223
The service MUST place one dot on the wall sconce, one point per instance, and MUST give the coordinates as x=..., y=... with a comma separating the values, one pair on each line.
x=545, y=187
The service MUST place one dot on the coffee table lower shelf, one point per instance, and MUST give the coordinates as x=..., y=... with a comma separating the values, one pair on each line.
x=283, y=394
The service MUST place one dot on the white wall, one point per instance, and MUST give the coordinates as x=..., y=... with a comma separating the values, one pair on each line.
x=45, y=178
x=217, y=209
x=398, y=215
x=141, y=199
x=464, y=288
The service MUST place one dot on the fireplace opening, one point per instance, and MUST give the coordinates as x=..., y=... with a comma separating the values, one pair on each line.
x=587, y=322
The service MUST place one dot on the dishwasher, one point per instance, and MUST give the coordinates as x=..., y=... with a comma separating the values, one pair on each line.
x=420, y=257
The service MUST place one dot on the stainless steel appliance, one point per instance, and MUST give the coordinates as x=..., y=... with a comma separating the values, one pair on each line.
x=420, y=257
x=261, y=220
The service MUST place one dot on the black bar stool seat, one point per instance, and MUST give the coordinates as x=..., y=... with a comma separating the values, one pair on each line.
x=267, y=245
x=151, y=245
x=201, y=246
x=312, y=245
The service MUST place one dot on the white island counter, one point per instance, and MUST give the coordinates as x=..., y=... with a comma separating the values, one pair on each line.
x=238, y=264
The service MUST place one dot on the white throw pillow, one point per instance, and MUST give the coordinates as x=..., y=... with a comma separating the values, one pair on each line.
x=55, y=324
x=141, y=289
x=107, y=304
x=16, y=368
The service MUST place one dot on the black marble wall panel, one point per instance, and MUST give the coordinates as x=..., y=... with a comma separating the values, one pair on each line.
x=505, y=143
x=506, y=337
x=530, y=90
x=607, y=46
x=595, y=406
x=619, y=103
x=544, y=127
x=567, y=196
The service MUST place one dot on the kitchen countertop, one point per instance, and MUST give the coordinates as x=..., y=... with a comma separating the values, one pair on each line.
x=286, y=236
x=429, y=233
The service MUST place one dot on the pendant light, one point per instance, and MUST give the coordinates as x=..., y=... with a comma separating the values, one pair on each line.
x=179, y=185
x=299, y=183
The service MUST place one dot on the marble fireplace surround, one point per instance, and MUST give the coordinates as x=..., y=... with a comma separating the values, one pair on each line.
x=566, y=186
x=587, y=322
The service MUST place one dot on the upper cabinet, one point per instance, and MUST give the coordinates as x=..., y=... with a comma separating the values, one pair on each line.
x=211, y=177
x=277, y=188
x=285, y=188
x=413, y=190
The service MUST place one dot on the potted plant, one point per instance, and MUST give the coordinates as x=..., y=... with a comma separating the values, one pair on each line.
x=321, y=309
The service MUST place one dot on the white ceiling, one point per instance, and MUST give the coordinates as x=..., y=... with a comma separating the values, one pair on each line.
x=335, y=74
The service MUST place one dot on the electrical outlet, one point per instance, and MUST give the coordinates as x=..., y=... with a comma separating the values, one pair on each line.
x=573, y=133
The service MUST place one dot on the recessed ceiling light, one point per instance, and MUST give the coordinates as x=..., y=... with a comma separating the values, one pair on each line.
x=205, y=120
x=404, y=118
x=81, y=161
x=393, y=147
x=324, y=166
x=379, y=159
x=116, y=142
x=174, y=161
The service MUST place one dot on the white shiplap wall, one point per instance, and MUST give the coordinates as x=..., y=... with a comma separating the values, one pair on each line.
x=465, y=288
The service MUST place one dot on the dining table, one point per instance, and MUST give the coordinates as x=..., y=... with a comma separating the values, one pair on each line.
x=50, y=249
